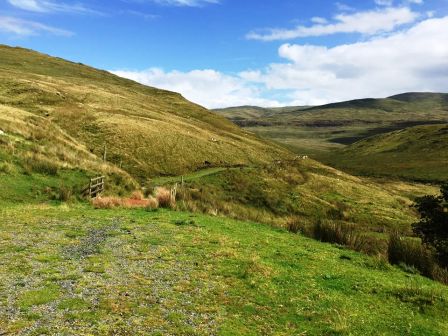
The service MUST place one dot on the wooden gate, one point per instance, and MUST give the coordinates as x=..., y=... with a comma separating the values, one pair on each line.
x=96, y=186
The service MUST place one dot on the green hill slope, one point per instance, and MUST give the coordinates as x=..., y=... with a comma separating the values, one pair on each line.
x=320, y=130
x=75, y=270
x=248, y=115
x=147, y=131
x=417, y=152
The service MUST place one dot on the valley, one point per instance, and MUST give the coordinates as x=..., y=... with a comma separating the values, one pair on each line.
x=329, y=132
x=230, y=251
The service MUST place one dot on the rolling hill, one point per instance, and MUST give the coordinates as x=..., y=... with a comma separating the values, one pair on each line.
x=418, y=152
x=322, y=131
x=146, y=131
x=318, y=129
x=247, y=115
x=59, y=118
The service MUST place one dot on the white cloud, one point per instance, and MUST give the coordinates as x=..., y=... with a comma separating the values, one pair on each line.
x=209, y=88
x=319, y=20
x=46, y=6
x=411, y=60
x=21, y=27
x=415, y=59
x=369, y=23
x=186, y=3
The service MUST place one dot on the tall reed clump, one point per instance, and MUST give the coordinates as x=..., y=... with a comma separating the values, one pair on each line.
x=347, y=235
x=64, y=194
x=153, y=204
x=44, y=167
x=165, y=198
x=412, y=253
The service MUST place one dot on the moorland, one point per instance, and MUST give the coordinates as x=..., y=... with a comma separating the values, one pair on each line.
x=204, y=228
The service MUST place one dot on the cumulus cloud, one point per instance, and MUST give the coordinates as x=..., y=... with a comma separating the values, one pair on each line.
x=415, y=59
x=209, y=88
x=412, y=60
x=47, y=6
x=21, y=27
x=370, y=22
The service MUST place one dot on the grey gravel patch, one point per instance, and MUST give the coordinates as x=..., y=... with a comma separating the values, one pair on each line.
x=117, y=240
x=92, y=242
x=164, y=276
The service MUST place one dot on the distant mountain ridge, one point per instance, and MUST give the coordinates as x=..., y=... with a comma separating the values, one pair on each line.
x=392, y=103
x=415, y=96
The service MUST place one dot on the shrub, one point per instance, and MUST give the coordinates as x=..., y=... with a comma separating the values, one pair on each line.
x=129, y=203
x=411, y=253
x=440, y=274
x=433, y=225
x=165, y=198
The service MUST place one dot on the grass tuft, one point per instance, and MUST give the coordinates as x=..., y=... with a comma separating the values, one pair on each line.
x=7, y=168
x=137, y=195
x=44, y=167
x=165, y=198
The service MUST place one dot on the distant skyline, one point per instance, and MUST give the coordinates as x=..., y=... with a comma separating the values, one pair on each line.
x=221, y=53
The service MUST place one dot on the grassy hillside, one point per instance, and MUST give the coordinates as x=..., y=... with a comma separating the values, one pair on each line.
x=245, y=115
x=59, y=116
x=416, y=152
x=321, y=130
x=147, y=131
x=317, y=130
x=38, y=161
x=74, y=270
x=304, y=190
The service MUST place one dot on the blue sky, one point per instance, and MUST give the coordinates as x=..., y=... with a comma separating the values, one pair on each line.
x=233, y=52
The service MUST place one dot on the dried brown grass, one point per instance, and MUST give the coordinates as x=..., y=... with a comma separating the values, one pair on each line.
x=111, y=202
x=165, y=198
x=137, y=195
x=106, y=202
